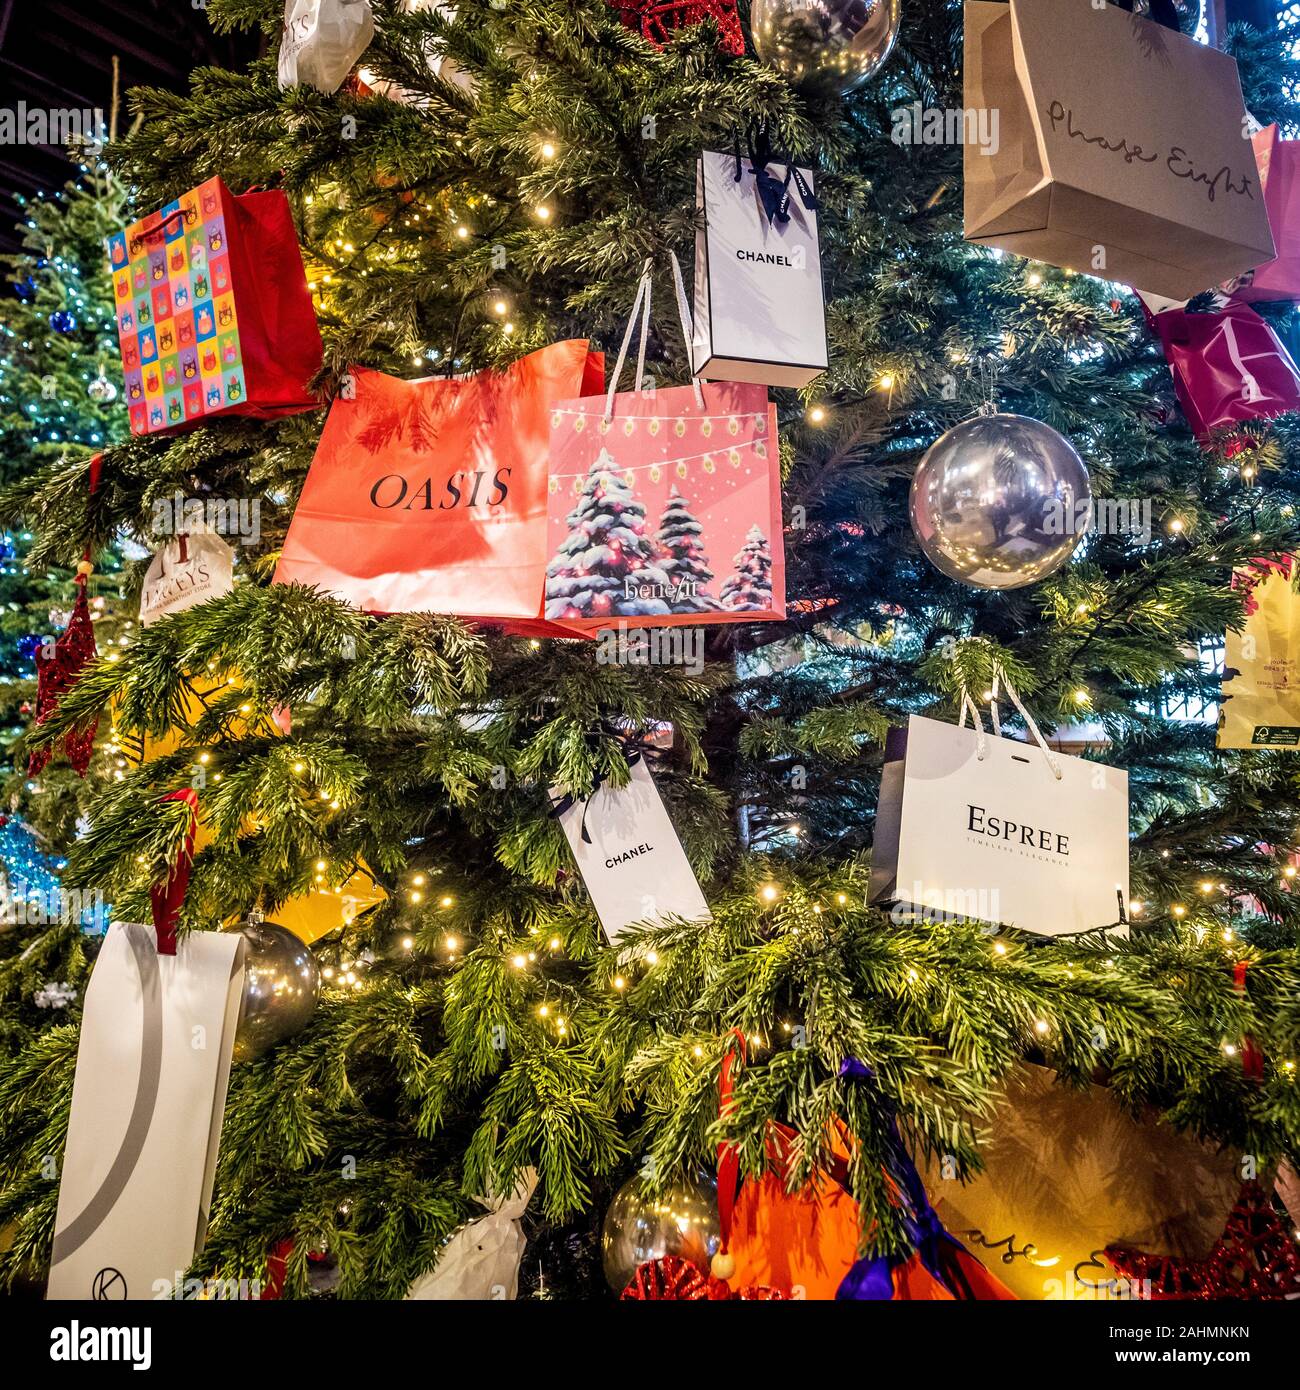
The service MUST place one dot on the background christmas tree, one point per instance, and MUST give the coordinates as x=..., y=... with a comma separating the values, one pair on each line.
x=59, y=398
x=682, y=555
x=475, y=1025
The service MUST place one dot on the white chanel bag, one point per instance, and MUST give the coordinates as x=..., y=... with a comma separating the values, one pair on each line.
x=760, y=315
x=187, y=571
x=147, y=1102
x=629, y=855
x=986, y=827
x=321, y=41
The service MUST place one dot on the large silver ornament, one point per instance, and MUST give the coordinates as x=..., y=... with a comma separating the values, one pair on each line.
x=281, y=986
x=837, y=42
x=681, y=1220
x=1000, y=501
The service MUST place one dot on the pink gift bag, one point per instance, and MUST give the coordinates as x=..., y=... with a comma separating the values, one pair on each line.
x=1279, y=176
x=1228, y=366
x=664, y=505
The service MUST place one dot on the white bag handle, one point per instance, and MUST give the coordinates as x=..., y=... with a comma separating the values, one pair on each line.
x=641, y=304
x=1000, y=679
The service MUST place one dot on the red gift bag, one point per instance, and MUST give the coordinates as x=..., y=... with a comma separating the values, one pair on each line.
x=430, y=496
x=214, y=316
x=1279, y=176
x=1228, y=366
x=665, y=504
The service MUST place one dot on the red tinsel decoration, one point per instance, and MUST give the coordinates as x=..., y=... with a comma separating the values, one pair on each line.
x=56, y=674
x=675, y=1279
x=1254, y=1258
x=658, y=22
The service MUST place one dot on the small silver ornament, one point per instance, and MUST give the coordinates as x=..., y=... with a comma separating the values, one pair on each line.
x=281, y=986
x=101, y=390
x=681, y=1220
x=1000, y=501
x=838, y=43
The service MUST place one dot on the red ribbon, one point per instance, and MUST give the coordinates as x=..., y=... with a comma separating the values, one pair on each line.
x=728, y=1154
x=1252, y=1059
x=166, y=897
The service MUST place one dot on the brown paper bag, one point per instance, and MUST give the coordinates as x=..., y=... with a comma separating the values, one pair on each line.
x=1261, y=663
x=1120, y=149
x=1069, y=1173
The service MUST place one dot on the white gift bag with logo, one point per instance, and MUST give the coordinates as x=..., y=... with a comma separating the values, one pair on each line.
x=990, y=828
x=187, y=571
x=760, y=315
x=147, y=1103
x=322, y=39
x=629, y=855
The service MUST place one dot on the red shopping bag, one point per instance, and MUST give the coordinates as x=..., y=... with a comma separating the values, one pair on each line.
x=664, y=504
x=213, y=312
x=430, y=495
x=1279, y=177
x=1228, y=366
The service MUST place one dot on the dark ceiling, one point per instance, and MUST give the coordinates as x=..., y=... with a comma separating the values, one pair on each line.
x=59, y=54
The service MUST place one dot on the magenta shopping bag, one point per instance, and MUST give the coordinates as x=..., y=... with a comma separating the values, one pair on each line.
x=1228, y=366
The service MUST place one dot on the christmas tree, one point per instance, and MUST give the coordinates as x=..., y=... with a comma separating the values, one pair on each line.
x=749, y=587
x=683, y=558
x=476, y=1029
x=606, y=565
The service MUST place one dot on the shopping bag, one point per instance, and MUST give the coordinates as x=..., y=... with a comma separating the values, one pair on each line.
x=153, y=1061
x=627, y=851
x=664, y=506
x=321, y=41
x=995, y=830
x=430, y=495
x=1228, y=366
x=1119, y=151
x=760, y=315
x=214, y=316
x=1279, y=173
x=1067, y=1173
x=1261, y=663
x=193, y=568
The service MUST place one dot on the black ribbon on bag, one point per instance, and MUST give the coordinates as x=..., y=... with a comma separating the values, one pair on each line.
x=1161, y=11
x=773, y=193
x=561, y=805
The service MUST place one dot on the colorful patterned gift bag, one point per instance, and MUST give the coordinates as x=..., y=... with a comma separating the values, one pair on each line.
x=664, y=505
x=213, y=312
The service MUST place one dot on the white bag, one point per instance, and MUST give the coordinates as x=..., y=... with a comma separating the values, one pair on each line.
x=996, y=830
x=147, y=1102
x=630, y=857
x=187, y=571
x=481, y=1258
x=322, y=40
x=760, y=315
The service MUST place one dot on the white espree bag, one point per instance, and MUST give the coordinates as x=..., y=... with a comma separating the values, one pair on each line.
x=187, y=571
x=629, y=855
x=985, y=827
x=760, y=314
x=322, y=39
x=147, y=1102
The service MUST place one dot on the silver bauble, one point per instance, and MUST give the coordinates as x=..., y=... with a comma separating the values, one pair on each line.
x=837, y=42
x=1000, y=501
x=101, y=390
x=681, y=1220
x=281, y=986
